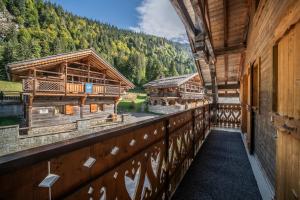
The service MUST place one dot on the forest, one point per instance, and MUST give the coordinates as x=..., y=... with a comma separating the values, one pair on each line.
x=38, y=28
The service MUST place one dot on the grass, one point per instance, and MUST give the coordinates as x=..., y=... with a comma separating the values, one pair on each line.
x=136, y=106
x=10, y=86
x=7, y=121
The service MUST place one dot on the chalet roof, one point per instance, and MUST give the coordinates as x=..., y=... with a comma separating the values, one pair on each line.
x=94, y=58
x=172, y=81
x=222, y=27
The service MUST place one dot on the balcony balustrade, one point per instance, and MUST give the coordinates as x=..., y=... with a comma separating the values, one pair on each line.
x=44, y=87
x=146, y=160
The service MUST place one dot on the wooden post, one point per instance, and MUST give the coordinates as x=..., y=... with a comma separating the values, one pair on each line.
x=29, y=111
x=34, y=82
x=82, y=103
x=203, y=123
x=194, y=133
x=89, y=67
x=166, y=140
x=120, y=88
x=66, y=77
x=104, y=83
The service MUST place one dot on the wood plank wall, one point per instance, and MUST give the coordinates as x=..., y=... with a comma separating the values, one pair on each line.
x=261, y=39
x=288, y=104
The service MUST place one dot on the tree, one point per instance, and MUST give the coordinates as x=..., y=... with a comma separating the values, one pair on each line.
x=46, y=29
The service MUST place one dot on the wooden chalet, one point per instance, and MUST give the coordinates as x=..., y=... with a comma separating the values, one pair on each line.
x=242, y=48
x=171, y=94
x=63, y=88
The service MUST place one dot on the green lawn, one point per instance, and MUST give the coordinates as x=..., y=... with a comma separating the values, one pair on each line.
x=10, y=86
x=6, y=121
x=136, y=106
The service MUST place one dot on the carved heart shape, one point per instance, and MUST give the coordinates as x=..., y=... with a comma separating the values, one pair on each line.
x=146, y=186
x=155, y=164
x=163, y=170
x=186, y=138
x=179, y=143
x=131, y=184
x=102, y=193
x=174, y=158
x=170, y=151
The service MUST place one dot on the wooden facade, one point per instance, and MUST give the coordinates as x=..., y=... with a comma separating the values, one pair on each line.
x=62, y=88
x=176, y=93
x=252, y=44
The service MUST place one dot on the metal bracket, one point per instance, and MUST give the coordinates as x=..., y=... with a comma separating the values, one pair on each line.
x=286, y=124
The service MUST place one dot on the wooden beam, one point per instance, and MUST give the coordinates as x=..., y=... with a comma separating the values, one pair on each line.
x=185, y=17
x=228, y=86
x=225, y=11
x=231, y=50
x=242, y=60
x=229, y=94
x=226, y=67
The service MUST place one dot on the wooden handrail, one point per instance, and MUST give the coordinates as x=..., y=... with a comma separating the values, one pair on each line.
x=158, y=150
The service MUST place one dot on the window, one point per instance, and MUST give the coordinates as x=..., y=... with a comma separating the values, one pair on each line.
x=69, y=110
x=100, y=107
x=93, y=108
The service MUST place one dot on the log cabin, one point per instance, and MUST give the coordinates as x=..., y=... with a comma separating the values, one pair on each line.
x=172, y=94
x=249, y=46
x=61, y=89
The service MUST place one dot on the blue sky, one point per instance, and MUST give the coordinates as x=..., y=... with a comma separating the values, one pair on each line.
x=155, y=17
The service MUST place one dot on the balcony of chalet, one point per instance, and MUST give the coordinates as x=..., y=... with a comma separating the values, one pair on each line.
x=72, y=83
x=248, y=150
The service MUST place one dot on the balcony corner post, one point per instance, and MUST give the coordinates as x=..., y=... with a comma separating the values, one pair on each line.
x=194, y=133
x=166, y=140
x=209, y=119
x=82, y=103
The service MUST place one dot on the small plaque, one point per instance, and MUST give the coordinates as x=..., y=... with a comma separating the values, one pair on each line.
x=49, y=181
x=89, y=88
x=89, y=162
x=44, y=111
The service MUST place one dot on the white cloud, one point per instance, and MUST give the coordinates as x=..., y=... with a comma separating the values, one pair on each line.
x=158, y=17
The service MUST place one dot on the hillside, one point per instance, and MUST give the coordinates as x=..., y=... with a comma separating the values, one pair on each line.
x=34, y=28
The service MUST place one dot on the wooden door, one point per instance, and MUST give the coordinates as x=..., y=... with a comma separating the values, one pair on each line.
x=244, y=96
x=250, y=130
x=252, y=102
x=288, y=109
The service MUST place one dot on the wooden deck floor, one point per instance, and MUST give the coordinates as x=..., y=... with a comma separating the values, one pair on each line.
x=220, y=171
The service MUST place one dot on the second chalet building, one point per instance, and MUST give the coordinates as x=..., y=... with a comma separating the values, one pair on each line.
x=172, y=94
x=64, y=88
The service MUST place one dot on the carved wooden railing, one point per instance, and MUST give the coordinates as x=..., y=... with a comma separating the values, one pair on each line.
x=228, y=115
x=146, y=160
x=75, y=88
x=112, y=90
x=49, y=86
x=59, y=86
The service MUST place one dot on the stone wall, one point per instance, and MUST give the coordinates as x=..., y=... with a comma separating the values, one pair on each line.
x=8, y=138
x=11, y=141
x=165, y=109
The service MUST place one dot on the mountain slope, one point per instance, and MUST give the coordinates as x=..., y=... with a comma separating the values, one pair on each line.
x=39, y=28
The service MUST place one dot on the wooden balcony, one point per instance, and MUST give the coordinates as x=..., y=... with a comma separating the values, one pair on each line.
x=145, y=160
x=43, y=87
